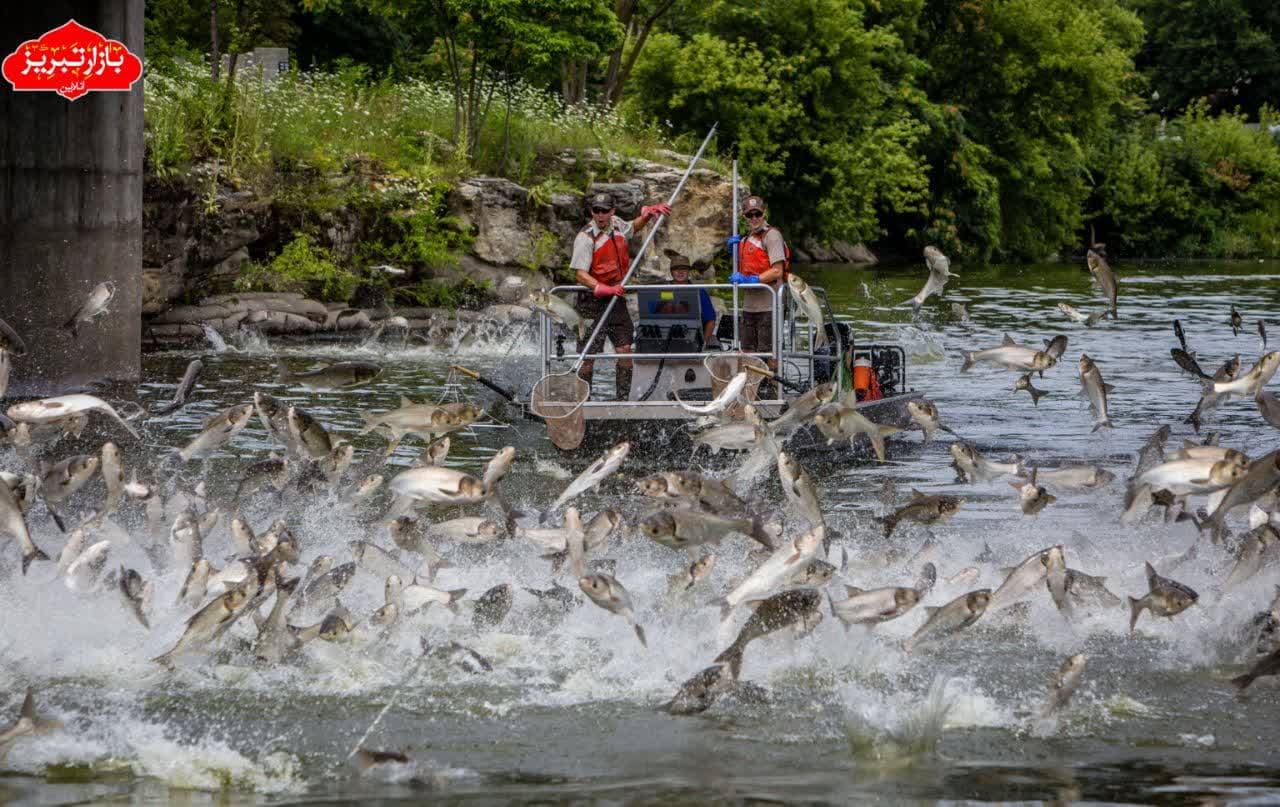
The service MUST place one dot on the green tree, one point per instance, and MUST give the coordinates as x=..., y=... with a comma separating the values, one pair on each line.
x=1025, y=88
x=813, y=95
x=1225, y=51
x=481, y=43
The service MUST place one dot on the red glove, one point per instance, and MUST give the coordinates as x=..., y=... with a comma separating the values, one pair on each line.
x=655, y=210
x=605, y=290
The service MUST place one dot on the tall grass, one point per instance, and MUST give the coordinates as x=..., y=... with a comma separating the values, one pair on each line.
x=323, y=120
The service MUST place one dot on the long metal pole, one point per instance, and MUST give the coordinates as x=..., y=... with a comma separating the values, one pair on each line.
x=736, y=343
x=735, y=214
x=648, y=239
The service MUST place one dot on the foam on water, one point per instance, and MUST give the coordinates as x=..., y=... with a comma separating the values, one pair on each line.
x=221, y=722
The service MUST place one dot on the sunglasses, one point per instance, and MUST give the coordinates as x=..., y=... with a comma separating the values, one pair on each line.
x=755, y=214
x=601, y=209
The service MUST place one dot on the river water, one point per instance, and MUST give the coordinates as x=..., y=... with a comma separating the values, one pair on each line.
x=570, y=711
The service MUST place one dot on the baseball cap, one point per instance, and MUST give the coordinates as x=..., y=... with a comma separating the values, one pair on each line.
x=753, y=203
x=602, y=200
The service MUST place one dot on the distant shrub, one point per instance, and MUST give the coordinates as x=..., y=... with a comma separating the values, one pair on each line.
x=1196, y=186
x=301, y=267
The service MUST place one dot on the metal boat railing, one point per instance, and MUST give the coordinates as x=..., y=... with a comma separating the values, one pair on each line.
x=551, y=355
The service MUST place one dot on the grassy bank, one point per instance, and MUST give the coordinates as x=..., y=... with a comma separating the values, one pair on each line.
x=323, y=120
x=319, y=145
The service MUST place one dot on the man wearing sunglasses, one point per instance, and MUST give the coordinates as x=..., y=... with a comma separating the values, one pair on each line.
x=762, y=258
x=600, y=261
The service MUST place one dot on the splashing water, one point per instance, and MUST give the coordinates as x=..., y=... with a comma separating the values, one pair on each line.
x=570, y=703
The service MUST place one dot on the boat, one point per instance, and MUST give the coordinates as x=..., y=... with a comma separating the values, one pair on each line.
x=673, y=365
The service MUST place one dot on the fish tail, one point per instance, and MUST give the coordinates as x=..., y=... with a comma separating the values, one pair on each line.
x=726, y=610
x=56, y=516
x=1036, y=395
x=72, y=325
x=759, y=533
x=283, y=375
x=1135, y=609
x=1103, y=424
x=969, y=361
x=733, y=657
x=370, y=421
x=35, y=554
x=455, y=595
x=640, y=635
x=889, y=523
x=1242, y=682
x=877, y=443
x=557, y=561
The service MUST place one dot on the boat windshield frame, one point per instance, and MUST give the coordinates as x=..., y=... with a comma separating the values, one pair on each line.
x=786, y=356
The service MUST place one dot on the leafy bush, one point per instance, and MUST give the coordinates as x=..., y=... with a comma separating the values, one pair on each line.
x=300, y=267
x=1199, y=186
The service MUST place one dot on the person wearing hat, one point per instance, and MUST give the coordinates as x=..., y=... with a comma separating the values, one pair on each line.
x=680, y=268
x=762, y=258
x=600, y=261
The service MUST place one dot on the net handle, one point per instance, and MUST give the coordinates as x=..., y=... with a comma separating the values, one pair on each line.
x=648, y=239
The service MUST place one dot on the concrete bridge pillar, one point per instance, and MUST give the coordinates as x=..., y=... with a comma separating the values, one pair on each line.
x=71, y=210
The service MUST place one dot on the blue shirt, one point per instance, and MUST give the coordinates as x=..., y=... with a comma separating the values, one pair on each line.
x=708, y=310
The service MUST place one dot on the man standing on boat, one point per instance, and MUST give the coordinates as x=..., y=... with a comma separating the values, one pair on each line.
x=600, y=260
x=762, y=259
x=680, y=268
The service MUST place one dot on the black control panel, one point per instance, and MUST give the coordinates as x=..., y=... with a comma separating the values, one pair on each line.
x=670, y=321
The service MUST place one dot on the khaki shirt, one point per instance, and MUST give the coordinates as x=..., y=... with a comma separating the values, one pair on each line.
x=758, y=299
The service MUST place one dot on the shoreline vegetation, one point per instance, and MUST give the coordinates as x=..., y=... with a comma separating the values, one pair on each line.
x=1000, y=132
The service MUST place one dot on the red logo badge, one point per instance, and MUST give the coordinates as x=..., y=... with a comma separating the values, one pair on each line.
x=71, y=60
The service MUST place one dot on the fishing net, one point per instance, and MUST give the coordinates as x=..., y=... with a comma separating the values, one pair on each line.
x=558, y=399
x=722, y=367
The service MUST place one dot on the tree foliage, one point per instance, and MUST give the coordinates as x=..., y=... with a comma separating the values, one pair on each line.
x=1226, y=52
x=994, y=129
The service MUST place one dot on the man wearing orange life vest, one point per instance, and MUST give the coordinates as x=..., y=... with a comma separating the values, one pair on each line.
x=600, y=261
x=762, y=258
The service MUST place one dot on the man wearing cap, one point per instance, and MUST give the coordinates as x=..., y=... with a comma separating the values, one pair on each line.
x=680, y=268
x=601, y=260
x=762, y=258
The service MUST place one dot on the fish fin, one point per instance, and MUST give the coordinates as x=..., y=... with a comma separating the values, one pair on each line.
x=752, y=605
x=930, y=609
x=28, y=706
x=406, y=402
x=282, y=373
x=969, y=361
x=733, y=657
x=1242, y=682
x=759, y=533
x=1007, y=341
x=57, y=518
x=1135, y=609
x=1036, y=396
x=877, y=443
x=370, y=421
x=853, y=591
x=1109, y=388
x=35, y=554
x=640, y=636
x=916, y=494
x=1015, y=485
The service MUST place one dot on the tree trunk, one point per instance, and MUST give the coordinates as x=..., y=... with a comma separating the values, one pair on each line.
x=646, y=28
x=235, y=56
x=215, y=66
x=625, y=11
